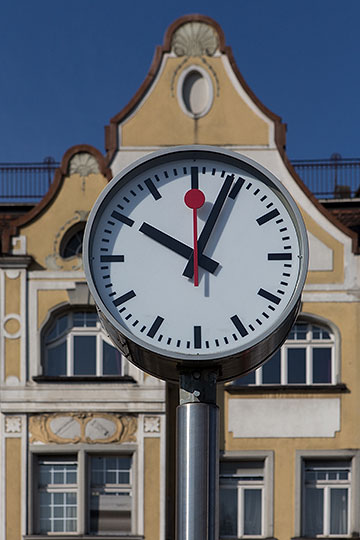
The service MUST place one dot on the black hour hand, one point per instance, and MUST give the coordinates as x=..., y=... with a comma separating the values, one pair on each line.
x=178, y=247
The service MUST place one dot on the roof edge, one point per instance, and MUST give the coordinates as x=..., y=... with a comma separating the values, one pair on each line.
x=10, y=226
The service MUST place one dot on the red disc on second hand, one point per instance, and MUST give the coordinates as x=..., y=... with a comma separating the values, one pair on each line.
x=194, y=198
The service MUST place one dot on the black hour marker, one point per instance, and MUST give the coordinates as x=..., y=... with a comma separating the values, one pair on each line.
x=112, y=258
x=153, y=189
x=155, y=326
x=197, y=337
x=267, y=217
x=239, y=326
x=236, y=188
x=124, y=298
x=122, y=218
x=279, y=256
x=269, y=296
x=194, y=178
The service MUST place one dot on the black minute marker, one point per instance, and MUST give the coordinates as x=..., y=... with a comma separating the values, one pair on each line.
x=124, y=298
x=267, y=217
x=239, y=326
x=122, y=218
x=269, y=296
x=153, y=189
x=155, y=326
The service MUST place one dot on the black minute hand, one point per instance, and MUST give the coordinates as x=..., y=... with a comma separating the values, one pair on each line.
x=209, y=225
x=178, y=247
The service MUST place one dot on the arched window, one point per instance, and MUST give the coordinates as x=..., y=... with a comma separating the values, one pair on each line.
x=71, y=243
x=307, y=358
x=74, y=345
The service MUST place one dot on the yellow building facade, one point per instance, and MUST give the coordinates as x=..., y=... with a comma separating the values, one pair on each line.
x=87, y=439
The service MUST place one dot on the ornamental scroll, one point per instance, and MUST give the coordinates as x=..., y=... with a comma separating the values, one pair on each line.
x=91, y=428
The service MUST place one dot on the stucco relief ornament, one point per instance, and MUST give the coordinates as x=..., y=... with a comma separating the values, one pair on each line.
x=195, y=39
x=12, y=424
x=152, y=424
x=64, y=428
x=84, y=164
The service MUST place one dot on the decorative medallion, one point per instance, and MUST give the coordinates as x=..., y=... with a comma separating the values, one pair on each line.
x=152, y=424
x=195, y=39
x=12, y=424
x=84, y=164
x=65, y=428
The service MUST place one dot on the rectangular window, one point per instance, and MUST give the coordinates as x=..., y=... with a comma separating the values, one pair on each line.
x=107, y=493
x=57, y=494
x=110, y=494
x=326, y=497
x=241, y=499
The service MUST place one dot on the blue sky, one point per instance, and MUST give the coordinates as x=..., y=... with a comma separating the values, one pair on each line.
x=68, y=66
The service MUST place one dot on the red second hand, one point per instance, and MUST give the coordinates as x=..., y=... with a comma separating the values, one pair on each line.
x=194, y=198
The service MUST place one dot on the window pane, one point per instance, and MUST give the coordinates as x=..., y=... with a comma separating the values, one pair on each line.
x=111, y=360
x=247, y=379
x=298, y=331
x=55, y=362
x=320, y=333
x=110, y=501
x=85, y=318
x=59, y=327
x=314, y=507
x=57, y=510
x=84, y=355
x=296, y=365
x=321, y=365
x=252, y=511
x=271, y=370
x=228, y=511
x=339, y=511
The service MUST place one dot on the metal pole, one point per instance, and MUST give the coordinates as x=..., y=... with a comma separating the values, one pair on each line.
x=197, y=458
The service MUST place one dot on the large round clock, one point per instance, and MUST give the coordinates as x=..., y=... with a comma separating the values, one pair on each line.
x=196, y=258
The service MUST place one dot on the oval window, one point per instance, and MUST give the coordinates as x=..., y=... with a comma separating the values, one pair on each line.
x=195, y=92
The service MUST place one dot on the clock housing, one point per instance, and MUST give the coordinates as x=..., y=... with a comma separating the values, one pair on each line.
x=252, y=262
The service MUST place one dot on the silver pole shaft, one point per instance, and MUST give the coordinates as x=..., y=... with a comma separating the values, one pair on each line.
x=197, y=471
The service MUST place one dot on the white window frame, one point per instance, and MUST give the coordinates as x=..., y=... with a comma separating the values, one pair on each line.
x=354, y=489
x=308, y=344
x=68, y=338
x=83, y=454
x=267, y=502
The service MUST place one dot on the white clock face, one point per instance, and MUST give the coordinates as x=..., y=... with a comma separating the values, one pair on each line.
x=216, y=299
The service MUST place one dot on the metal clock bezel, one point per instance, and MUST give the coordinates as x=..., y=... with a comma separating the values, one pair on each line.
x=154, y=359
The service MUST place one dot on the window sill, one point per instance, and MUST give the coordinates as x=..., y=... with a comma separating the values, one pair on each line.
x=332, y=537
x=288, y=389
x=84, y=379
x=67, y=536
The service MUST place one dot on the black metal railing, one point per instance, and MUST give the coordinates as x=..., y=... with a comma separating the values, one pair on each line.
x=333, y=178
x=26, y=182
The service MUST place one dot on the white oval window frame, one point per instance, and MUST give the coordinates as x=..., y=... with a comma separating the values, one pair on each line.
x=180, y=85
